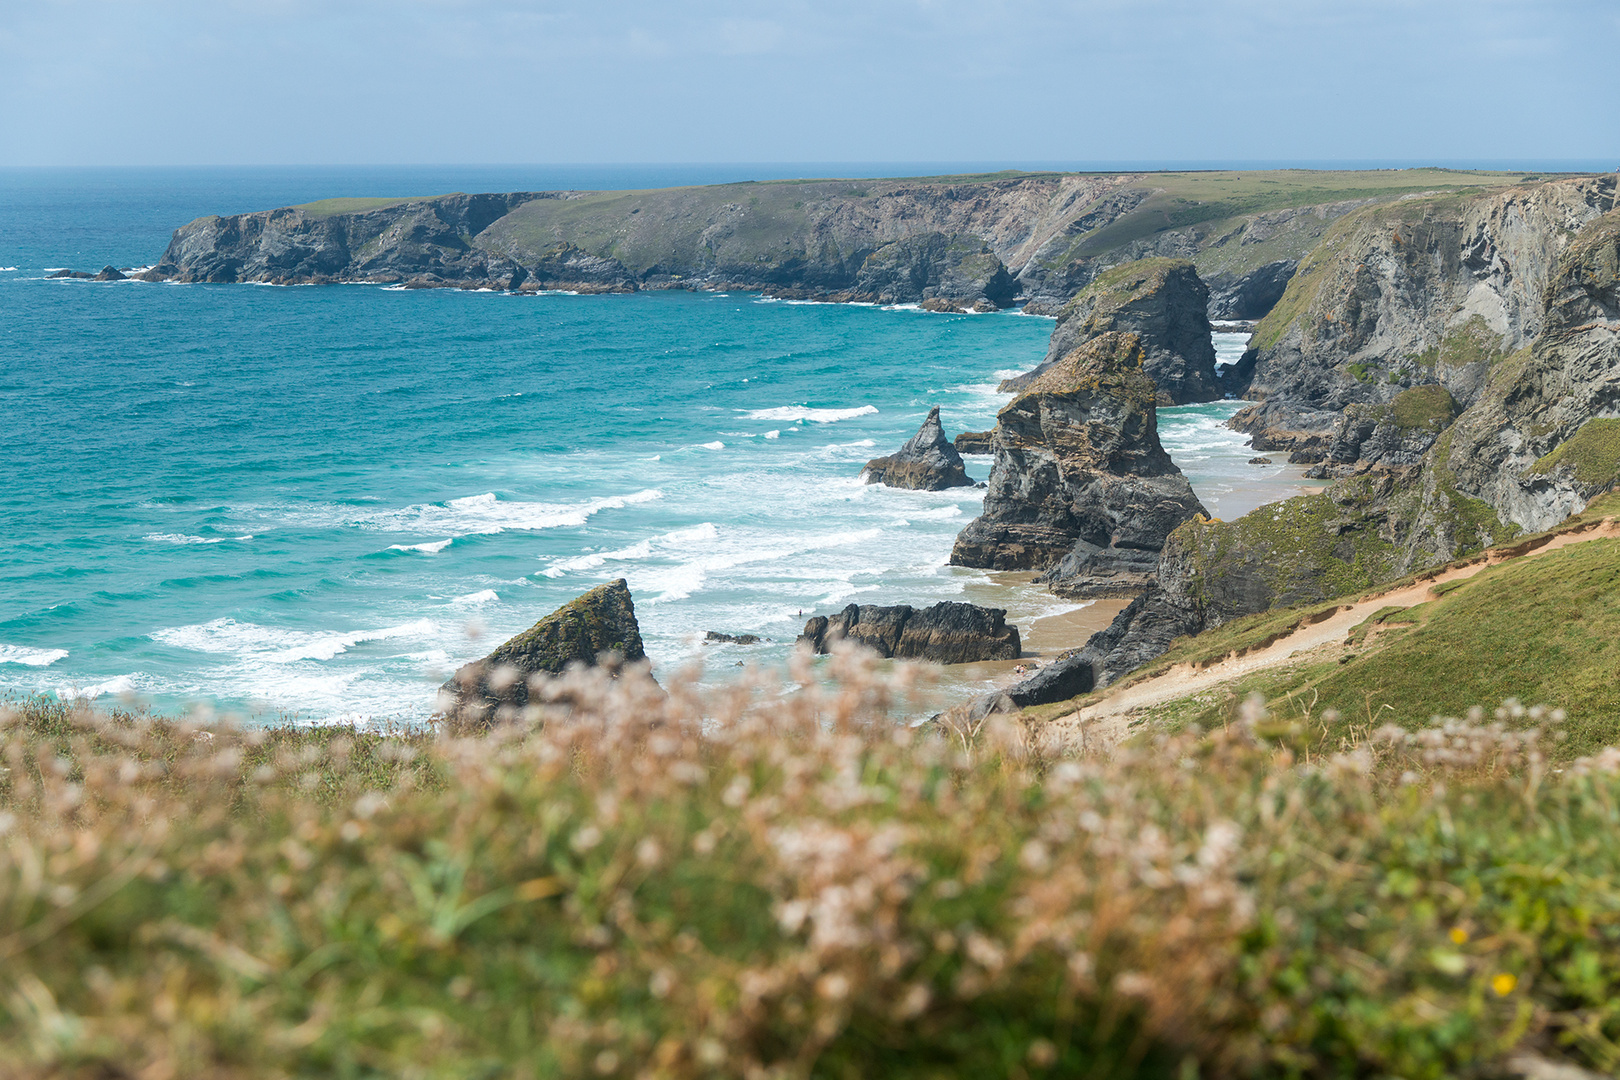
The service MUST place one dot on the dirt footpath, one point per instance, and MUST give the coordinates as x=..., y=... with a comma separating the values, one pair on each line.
x=1107, y=721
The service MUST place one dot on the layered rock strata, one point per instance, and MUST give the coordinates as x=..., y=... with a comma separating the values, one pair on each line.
x=927, y=462
x=1164, y=303
x=946, y=633
x=1081, y=487
x=597, y=628
x=1430, y=290
x=974, y=442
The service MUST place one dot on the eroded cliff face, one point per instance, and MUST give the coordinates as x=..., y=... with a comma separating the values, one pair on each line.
x=959, y=241
x=1166, y=305
x=1544, y=437
x=1420, y=291
x=892, y=241
x=1080, y=481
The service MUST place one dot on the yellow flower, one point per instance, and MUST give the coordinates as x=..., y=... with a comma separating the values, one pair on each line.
x=1504, y=983
x=1459, y=935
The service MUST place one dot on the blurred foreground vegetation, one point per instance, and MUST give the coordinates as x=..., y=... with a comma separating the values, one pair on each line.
x=644, y=883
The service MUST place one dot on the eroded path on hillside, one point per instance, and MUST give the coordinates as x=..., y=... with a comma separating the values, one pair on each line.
x=1107, y=720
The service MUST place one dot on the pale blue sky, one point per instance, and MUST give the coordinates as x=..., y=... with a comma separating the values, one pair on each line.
x=196, y=82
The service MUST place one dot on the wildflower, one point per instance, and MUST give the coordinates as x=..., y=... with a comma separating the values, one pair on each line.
x=1459, y=936
x=1504, y=983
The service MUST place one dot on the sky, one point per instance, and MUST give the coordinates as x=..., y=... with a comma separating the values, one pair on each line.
x=296, y=82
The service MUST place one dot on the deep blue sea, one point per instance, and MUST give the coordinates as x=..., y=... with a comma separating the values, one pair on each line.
x=315, y=502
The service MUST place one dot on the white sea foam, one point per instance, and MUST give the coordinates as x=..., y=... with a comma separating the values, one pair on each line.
x=793, y=413
x=8, y=269
x=483, y=596
x=1229, y=348
x=669, y=543
x=473, y=515
x=717, y=445
x=773, y=434
x=22, y=654
x=181, y=538
x=123, y=684
x=432, y=548
x=277, y=645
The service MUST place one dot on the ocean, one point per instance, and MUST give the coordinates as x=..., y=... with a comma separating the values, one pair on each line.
x=312, y=503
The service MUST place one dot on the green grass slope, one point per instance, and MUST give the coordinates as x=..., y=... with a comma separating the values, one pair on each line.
x=1544, y=630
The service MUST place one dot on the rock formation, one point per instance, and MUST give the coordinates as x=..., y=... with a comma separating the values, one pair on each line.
x=1431, y=290
x=1081, y=486
x=946, y=633
x=1541, y=438
x=959, y=242
x=1163, y=302
x=714, y=637
x=927, y=461
x=974, y=442
x=1544, y=436
x=598, y=627
x=1252, y=295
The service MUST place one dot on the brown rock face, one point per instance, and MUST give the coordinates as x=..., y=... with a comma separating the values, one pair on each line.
x=1080, y=476
x=599, y=625
x=927, y=461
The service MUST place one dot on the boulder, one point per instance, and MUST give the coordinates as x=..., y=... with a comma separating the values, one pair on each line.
x=110, y=273
x=1080, y=472
x=1165, y=304
x=713, y=637
x=927, y=461
x=1070, y=675
x=946, y=633
x=974, y=442
x=78, y=274
x=597, y=628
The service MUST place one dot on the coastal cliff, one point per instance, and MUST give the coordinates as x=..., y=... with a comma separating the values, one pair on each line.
x=1539, y=441
x=1423, y=291
x=953, y=241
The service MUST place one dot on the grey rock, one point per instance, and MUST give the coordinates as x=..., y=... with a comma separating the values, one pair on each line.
x=1080, y=470
x=1422, y=290
x=927, y=462
x=974, y=442
x=713, y=637
x=1252, y=295
x=947, y=632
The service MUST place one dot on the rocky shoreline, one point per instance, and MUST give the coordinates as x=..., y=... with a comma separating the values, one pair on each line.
x=1447, y=361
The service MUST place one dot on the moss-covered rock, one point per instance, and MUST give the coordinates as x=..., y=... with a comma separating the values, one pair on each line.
x=599, y=626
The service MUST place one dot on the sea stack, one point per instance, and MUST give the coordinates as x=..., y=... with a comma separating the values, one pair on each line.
x=1081, y=488
x=1164, y=303
x=599, y=627
x=927, y=462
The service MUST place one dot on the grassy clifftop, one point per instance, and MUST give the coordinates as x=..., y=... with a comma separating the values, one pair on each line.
x=1053, y=231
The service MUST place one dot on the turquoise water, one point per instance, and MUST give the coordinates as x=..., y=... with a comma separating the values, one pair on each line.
x=315, y=502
